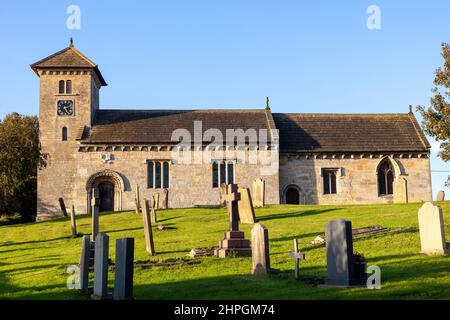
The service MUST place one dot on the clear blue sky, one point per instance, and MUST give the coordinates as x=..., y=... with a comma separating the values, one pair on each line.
x=307, y=56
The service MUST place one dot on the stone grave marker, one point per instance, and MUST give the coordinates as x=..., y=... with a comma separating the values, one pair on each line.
x=297, y=255
x=63, y=206
x=431, y=228
x=73, y=222
x=234, y=241
x=156, y=201
x=260, y=249
x=101, y=261
x=245, y=206
x=153, y=218
x=223, y=194
x=123, y=281
x=340, y=257
x=258, y=192
x=165, y=199
x=149, y=245
x=440, y=196
x=137, y=199
x=95, y=214
x=85, y=261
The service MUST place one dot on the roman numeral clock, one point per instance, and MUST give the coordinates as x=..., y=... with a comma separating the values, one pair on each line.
x=65, y=108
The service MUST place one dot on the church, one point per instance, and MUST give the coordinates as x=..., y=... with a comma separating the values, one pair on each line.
x=313, y=158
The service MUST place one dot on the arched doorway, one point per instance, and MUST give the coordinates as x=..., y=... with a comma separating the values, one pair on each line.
x=292, y=196
x=106, y=193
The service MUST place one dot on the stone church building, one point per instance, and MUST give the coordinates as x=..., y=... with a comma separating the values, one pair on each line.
x=320, y=158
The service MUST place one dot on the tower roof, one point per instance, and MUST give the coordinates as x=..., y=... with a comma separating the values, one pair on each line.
x=68, y=58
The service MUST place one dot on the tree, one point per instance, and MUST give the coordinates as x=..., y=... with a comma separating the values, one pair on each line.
x=436, y=118
x=20, y=159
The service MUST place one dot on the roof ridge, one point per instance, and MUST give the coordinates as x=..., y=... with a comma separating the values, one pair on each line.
x=344, y=114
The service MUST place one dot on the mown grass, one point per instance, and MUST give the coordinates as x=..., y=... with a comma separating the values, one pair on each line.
x=34, y=257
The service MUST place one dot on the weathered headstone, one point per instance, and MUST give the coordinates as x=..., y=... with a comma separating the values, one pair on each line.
x=258, y=192
x=149, y=246
x=137, y=199
x=297, y=255
x=123, y=281
x=156, y=201
x=340, y=257
x=153, y=215
x=234, y=241
x=260, y=249
x=101, y=261
x=165, y=199
x=85, y=263
x=73, y=223
x=95, y=213
x=63, y=206
x=223, y=194
x=431, y=228
x=245, y=205
x=440, y=196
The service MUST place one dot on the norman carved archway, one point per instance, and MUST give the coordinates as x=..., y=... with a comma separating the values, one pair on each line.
x=106, y=177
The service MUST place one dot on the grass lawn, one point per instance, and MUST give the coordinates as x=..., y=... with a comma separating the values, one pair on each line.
x=34, y=257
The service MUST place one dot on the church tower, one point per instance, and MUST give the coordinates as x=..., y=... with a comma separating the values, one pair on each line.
x=69, y=97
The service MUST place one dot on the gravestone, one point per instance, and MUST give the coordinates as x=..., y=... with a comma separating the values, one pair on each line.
x=95, y=210
x=156, y=201
x=223, y=194
x=85, y=262
x=258, y=192
x=245, y=206
x=234, y=242
x=73, y=223
x=340, y=257
x=101, y=267
x=260, y=249
x=63, y=206
x=153, y=215
x=123, y=281
x=165, y=199
x=431, y=229
x=440, y=196
x=297, y=255
x=137, y=199
x=149, y=246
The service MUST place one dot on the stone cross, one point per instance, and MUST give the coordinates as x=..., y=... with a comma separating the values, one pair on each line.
x=297, y=255
x=63, y=206
x=85, y=263
x=73, y=222
x=101, y=266
x=123, y=281
x=245, y=206
x=95, y=208
x=232, y=199
x=440, y=196
x=431, y=228
x=260, y=249
x=149, y=246
x=137, y=199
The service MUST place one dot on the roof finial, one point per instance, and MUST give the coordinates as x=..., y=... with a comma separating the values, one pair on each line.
x=410, y=109
x=267, y=103
x=71, y=42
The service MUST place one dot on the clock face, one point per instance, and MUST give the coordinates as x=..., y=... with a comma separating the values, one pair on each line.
x=65, y=108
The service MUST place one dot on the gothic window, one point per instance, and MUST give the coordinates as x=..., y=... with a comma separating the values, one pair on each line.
x=69, y=87
x=222, y=172
x=158, y=174
x=329, y=181
x=385, y=178
x=64, y=134
x=62, y=86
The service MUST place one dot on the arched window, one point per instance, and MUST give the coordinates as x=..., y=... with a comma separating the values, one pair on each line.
x=61, y=86
x=222, y=172
x=69, y=87
x=385, y=178
x=64, y=134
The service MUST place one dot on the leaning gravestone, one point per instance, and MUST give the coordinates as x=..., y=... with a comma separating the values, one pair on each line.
x=95, y=213
x=153, y=215
x=245, y=206
x=101, y=261
x=260, y=249
x=149, y=246
x=85, y=263
x=223, y=194
x=340, y=257
x=73, y=223
x=123, y=281
x=431, y=228
x=63, y=206
x=165, y=199
x=440, y=196
x=258, y=192
x=137, y=199
x=234, y=241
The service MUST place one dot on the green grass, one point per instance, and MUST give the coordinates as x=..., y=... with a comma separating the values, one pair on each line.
x=34, y=257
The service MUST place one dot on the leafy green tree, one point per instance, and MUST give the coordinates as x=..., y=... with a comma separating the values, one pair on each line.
x=436, y=118
x=20, y=158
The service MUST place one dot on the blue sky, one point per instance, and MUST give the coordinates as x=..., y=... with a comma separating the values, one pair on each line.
x=307, y=56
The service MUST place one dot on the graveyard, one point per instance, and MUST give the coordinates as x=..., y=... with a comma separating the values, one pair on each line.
x=34, y=257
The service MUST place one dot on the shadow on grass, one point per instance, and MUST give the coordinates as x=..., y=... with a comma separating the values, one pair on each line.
x=288, y=215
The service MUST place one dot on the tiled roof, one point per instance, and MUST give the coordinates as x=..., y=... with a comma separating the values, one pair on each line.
x=349, y=133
